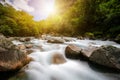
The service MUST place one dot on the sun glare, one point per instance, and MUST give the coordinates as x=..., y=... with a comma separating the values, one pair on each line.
x=49, y=9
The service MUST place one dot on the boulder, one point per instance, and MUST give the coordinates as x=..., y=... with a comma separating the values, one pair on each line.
x=72, y=51
x=58, y=59
x=28, y=46
x=87, y=52
x=11, y=58
x=106, y=55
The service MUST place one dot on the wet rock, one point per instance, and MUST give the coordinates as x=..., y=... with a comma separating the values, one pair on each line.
x=2, y=49
x=24, y=39
x=55, y=40
x=21, y=46
x=2, y=36
x=21, y=75
x=43, y=37
x=73, y=51
x=27, y=39
x=80, y=37
x=106, y=55
x=11, y=38
x=28, y=46
x=58, y=59
x=87, y=52
x=29, y=51
x=11, y=58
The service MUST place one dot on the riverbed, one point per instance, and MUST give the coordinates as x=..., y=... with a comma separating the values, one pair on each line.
x=42, y=68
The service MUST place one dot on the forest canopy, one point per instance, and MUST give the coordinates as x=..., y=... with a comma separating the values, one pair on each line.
x=100, y=18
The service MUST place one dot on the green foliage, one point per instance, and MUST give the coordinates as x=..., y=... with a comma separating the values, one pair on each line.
x=73, y=18
x=89, y=35
x=16, y=23
x=83, y=16
x=6, y=30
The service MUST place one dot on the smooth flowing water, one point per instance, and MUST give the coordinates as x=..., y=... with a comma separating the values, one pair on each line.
x=43, y=69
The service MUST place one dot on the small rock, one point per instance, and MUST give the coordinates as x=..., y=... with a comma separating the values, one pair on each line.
x=53, y=40
x=22, y=39
x=58, y=59
x=80, y=37
x=11, y=38
x=21, y=47
x=2, y=49
x=25, y=39
x=28, y=45
x=29, y=51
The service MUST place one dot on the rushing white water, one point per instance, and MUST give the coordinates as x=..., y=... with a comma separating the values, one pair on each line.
x=42, y=68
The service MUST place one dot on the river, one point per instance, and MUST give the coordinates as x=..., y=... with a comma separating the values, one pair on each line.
x=43, y=69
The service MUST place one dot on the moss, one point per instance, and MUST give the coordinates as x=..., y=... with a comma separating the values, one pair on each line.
x=89, y=35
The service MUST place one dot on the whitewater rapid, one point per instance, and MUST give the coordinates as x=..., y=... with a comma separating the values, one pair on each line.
x=41, y=68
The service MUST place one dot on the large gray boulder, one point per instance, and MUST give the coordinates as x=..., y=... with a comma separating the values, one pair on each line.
x=75, y=52
x=11, y=58
x=108, y=56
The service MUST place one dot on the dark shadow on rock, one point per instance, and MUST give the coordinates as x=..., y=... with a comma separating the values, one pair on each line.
x=7, y=75
x=77, y=57
x=102, y=69
x=83, y=58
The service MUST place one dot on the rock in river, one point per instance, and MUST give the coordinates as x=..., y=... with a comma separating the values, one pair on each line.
x=11, y=58
x=58, y=59
x=73, y=51
x=24, y=39
x=56, y=40
x=108, y=56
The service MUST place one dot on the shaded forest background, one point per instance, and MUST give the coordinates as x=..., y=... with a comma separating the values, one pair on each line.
x=99, y=18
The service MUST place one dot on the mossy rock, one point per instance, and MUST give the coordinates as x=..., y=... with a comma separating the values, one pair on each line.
x=11, y=58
